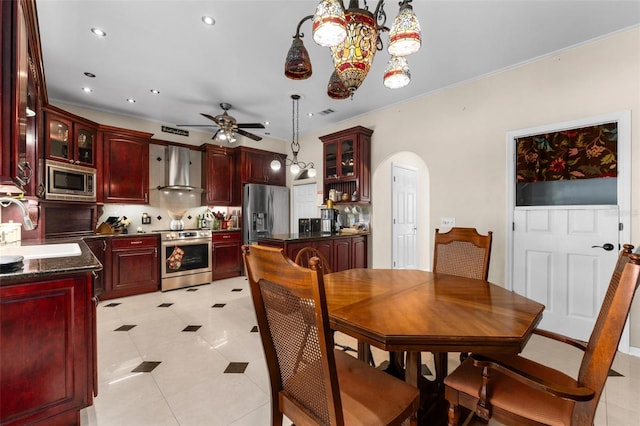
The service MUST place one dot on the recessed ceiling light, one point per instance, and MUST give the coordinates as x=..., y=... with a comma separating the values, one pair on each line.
x=89, y=74
x=131, y=100
x=155, y=92
x=266, y=123
x=98, y=32
x=309, y=114
x=208, y=20
x=87, y=89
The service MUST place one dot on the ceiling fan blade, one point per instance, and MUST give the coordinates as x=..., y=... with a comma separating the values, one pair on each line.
x=249, y=135
x=210, y=117
x=251, y=125
x=196, y=125
x=215, y=134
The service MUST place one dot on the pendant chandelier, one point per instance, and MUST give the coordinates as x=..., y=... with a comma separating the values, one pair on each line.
x=295, y=166
x=353, y=35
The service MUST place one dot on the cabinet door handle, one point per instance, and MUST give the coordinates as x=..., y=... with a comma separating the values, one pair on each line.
x=136, y=242
x=226, y=236
x=104, y=245
x=155, y=252
x=146, y=199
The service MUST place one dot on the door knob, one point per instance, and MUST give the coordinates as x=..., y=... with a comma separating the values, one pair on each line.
x=606, y=246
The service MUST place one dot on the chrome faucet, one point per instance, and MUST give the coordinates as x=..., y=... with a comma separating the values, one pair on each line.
x=5, y=201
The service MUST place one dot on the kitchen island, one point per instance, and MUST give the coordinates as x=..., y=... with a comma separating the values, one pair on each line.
x=48, y=339
x=343, y=251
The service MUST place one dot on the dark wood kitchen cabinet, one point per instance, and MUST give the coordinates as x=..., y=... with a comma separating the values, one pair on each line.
x=135, y=266
x=347, y=162
x=125, y=169
x=22, y=94
x=219, y=179
x=48, y=350
x=227, y=258
x=255, y=167
x=69, y=138
x=342, y=251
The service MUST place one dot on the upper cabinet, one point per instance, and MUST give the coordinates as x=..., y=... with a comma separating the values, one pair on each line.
x=125, y=166
x=70, y=139
x=347, y=162
x=221, y=187
x=255, y=167
x=22, y=94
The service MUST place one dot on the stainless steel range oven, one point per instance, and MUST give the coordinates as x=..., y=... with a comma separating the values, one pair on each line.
x=186, y=258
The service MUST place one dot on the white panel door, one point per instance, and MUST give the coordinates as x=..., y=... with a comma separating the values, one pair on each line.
x=559, y=261
x=405, y=209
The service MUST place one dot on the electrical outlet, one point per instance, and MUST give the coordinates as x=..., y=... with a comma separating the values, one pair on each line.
x=448, y=222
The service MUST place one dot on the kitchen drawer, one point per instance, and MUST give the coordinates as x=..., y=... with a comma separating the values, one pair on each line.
x=134, y=242
x=218, y=237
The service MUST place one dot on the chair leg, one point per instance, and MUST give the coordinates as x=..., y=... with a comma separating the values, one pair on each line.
x=454, y=414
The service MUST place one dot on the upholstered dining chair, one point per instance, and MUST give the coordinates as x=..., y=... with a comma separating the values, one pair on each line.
x=463, y=252
x=516, y=390
x=302, y=258
x=311, y=382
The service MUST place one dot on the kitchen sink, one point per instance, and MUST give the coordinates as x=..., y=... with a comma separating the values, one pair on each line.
x=42, y=251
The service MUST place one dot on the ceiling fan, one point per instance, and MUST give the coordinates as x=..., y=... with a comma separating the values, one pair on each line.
x=227, y=125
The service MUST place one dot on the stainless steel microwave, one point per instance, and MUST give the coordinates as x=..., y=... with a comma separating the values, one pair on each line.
x=70, y=182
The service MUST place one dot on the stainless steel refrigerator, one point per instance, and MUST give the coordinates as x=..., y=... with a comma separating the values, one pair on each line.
x=265, y=211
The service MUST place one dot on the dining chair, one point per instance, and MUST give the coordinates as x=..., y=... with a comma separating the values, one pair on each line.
x=515, y=390
x=463, y=252
x=311, y=382
x=302, y=258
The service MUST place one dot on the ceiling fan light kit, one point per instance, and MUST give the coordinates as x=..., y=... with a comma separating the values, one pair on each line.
x=354, y=37
x=228, y=126
x=295, y=166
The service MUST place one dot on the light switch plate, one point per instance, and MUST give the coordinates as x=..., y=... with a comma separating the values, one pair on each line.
x=448, y=222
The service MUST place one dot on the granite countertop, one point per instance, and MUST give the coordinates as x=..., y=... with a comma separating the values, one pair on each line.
x=306, y=237
x=38, y=269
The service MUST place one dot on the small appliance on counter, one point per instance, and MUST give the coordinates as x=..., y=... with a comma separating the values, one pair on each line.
x=328, y=221
x=309, y=225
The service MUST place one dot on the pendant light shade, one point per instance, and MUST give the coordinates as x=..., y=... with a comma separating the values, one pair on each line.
x=298, y=64
x=404, y=36
x=353, y=36
x=396, y=74
x=353, y=57
x=336, y=89
x=329, y=23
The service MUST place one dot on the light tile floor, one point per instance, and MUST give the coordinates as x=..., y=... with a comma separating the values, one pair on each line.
x=189, y=337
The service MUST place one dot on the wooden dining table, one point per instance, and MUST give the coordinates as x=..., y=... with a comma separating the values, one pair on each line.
x=412, y=311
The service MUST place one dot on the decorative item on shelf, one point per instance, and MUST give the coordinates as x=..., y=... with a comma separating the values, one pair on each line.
x=218, y=218
x=295, y=165
x=124, y=224
x=146, y=219
x=353, y=35
x=345, y=196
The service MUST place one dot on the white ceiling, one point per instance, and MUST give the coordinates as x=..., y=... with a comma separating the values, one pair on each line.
x=163, y=45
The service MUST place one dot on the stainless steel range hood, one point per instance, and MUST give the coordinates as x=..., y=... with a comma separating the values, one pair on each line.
x=176, y=170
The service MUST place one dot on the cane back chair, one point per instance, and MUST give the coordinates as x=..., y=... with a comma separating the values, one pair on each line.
x=516, y=391
x=463, y=252
x=311, y=382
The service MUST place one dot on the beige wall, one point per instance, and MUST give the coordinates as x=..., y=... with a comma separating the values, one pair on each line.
x=460, y=134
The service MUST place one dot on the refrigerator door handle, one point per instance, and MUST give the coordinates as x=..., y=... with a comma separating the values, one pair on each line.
x=270, y=210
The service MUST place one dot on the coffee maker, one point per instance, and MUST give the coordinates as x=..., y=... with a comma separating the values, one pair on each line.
x=328, y=221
